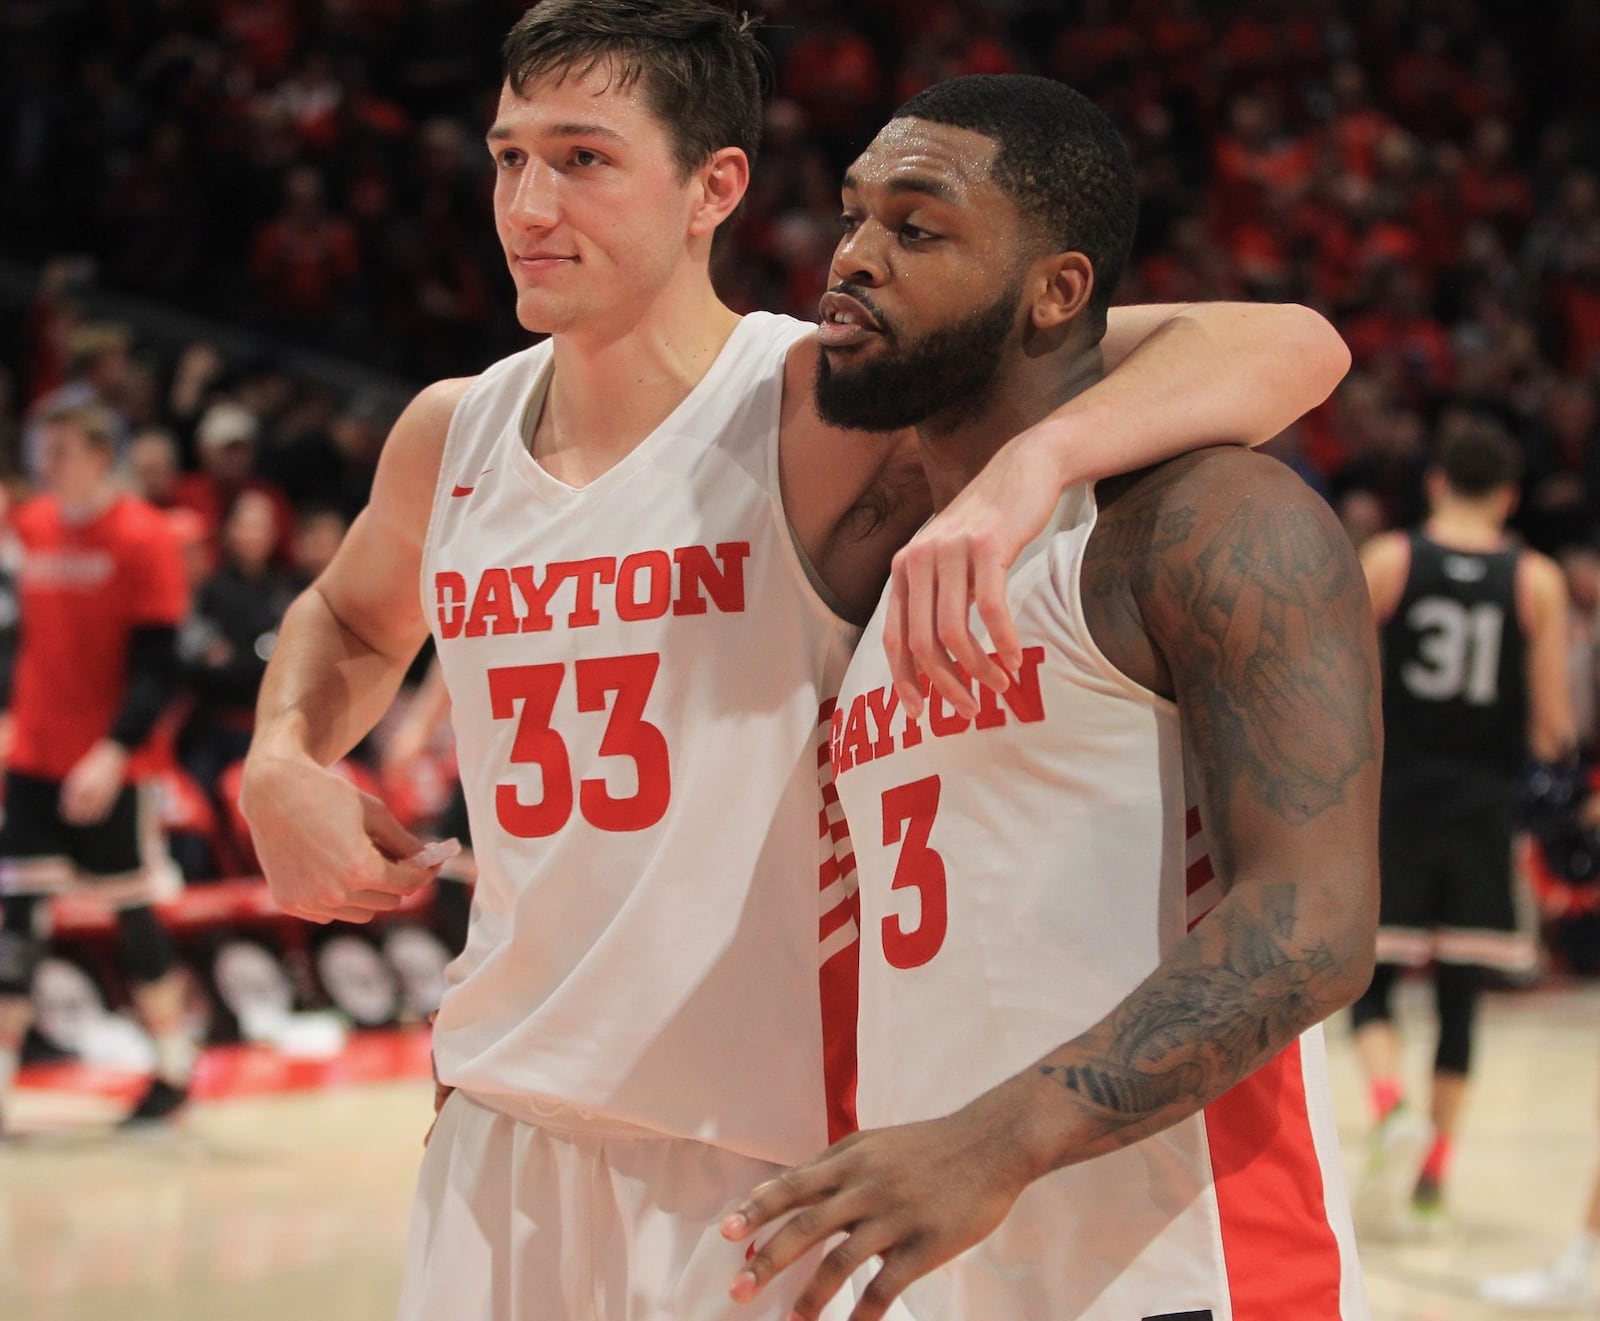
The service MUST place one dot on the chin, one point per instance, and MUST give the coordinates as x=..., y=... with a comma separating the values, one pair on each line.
x=538, y=317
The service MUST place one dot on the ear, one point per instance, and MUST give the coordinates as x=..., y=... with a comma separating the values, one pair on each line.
x=1062, y=288
x=722, y=181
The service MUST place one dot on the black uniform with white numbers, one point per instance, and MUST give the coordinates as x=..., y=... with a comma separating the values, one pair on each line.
x=1455, y=708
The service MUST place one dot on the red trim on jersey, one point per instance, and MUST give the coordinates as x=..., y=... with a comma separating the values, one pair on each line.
x=1191, y=822
x=843, y=914
x=839, y=979
x=1200, y=873
x=1281, y=1254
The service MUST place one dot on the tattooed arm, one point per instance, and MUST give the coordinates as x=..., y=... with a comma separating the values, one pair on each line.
x=1248, y=605
x=1221, y=580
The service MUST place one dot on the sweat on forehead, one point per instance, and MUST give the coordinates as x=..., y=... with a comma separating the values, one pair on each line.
x=948, y=157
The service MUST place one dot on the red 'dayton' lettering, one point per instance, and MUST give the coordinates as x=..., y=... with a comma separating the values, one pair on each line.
x=531, y=598
x=875, y=725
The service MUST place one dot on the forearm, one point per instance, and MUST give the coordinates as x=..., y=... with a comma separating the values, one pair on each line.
x=153, y=675
x=324, y=689
x=1196, y=375
x=1553, y=739
x=1249, y=979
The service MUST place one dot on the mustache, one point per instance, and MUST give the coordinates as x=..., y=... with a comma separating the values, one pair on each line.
x=865, y=299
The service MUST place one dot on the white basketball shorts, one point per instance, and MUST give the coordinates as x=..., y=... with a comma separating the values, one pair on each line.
x=522, y=1222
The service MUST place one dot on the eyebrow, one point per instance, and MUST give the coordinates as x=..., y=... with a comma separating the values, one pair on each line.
x=501, y=132
x=912, y=183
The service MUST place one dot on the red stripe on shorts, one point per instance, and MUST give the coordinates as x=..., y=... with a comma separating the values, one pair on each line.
x=1281, y=1256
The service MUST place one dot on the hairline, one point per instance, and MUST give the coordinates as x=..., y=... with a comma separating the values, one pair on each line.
x=623, y=71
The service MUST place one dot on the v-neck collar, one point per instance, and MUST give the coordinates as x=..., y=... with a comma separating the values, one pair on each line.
x=545, y=482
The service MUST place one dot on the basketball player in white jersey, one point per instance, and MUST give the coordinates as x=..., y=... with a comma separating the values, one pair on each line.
x=1102, y=917
x=638, y=550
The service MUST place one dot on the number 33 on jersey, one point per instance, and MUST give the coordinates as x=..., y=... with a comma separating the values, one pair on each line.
x=635, y=670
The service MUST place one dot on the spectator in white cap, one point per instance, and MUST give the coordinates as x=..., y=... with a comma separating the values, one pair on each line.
x=227, y=445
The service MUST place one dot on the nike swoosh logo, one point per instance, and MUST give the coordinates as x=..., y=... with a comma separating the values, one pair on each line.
x=458, y=490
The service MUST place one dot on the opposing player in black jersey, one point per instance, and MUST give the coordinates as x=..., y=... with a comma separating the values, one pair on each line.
x=1474, y=668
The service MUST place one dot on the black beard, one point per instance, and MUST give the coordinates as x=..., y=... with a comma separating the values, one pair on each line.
x=948, y=375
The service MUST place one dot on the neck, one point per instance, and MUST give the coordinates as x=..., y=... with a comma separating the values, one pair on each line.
x=610, y=390
x=1467, y=524
x=956, y=448
x=85, y=505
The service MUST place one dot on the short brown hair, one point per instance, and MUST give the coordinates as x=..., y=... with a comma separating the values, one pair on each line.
x=703, y=73
x=1477, y=456
x=88, y=344
x=94, y=423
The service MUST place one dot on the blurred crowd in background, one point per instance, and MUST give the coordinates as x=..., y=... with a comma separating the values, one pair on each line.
x=308, y=177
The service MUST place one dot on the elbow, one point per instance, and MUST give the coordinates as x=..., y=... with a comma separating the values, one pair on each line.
x=1318, y=348
x=1360, y=965
x=1354, y=949
x=1553, y=743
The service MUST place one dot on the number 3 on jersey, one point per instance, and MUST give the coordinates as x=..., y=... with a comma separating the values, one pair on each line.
x=908, y=813
x=627, y=734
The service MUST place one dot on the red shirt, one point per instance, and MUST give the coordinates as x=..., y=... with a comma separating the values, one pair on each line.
x=83, y=589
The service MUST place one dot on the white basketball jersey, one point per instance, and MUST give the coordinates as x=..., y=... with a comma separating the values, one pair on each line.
x=636, y=670
x=1020, y=873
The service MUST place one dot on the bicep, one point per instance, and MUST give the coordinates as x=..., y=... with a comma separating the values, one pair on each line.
x=1263, y=617
x=1128, y=327
x=373, y=585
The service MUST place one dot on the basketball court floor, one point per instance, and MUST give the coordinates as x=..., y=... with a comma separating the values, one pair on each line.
x=274, y=1204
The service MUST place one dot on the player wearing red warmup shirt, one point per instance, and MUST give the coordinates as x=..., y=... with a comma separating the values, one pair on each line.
x=102, y=592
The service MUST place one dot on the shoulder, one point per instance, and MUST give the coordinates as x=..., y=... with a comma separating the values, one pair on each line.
x=139, y=522
x=1206, y=490
x=1386, y=548
x=434, y=405
x=408, y=467
x=416, y=440
x=1541, y=586
x=34, y=515
x=1386, y=562
x=1225, y=516
x=1217, y=568
x=1539, y=569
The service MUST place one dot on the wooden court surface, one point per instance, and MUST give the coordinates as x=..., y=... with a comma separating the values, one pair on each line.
x=295, y=1205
